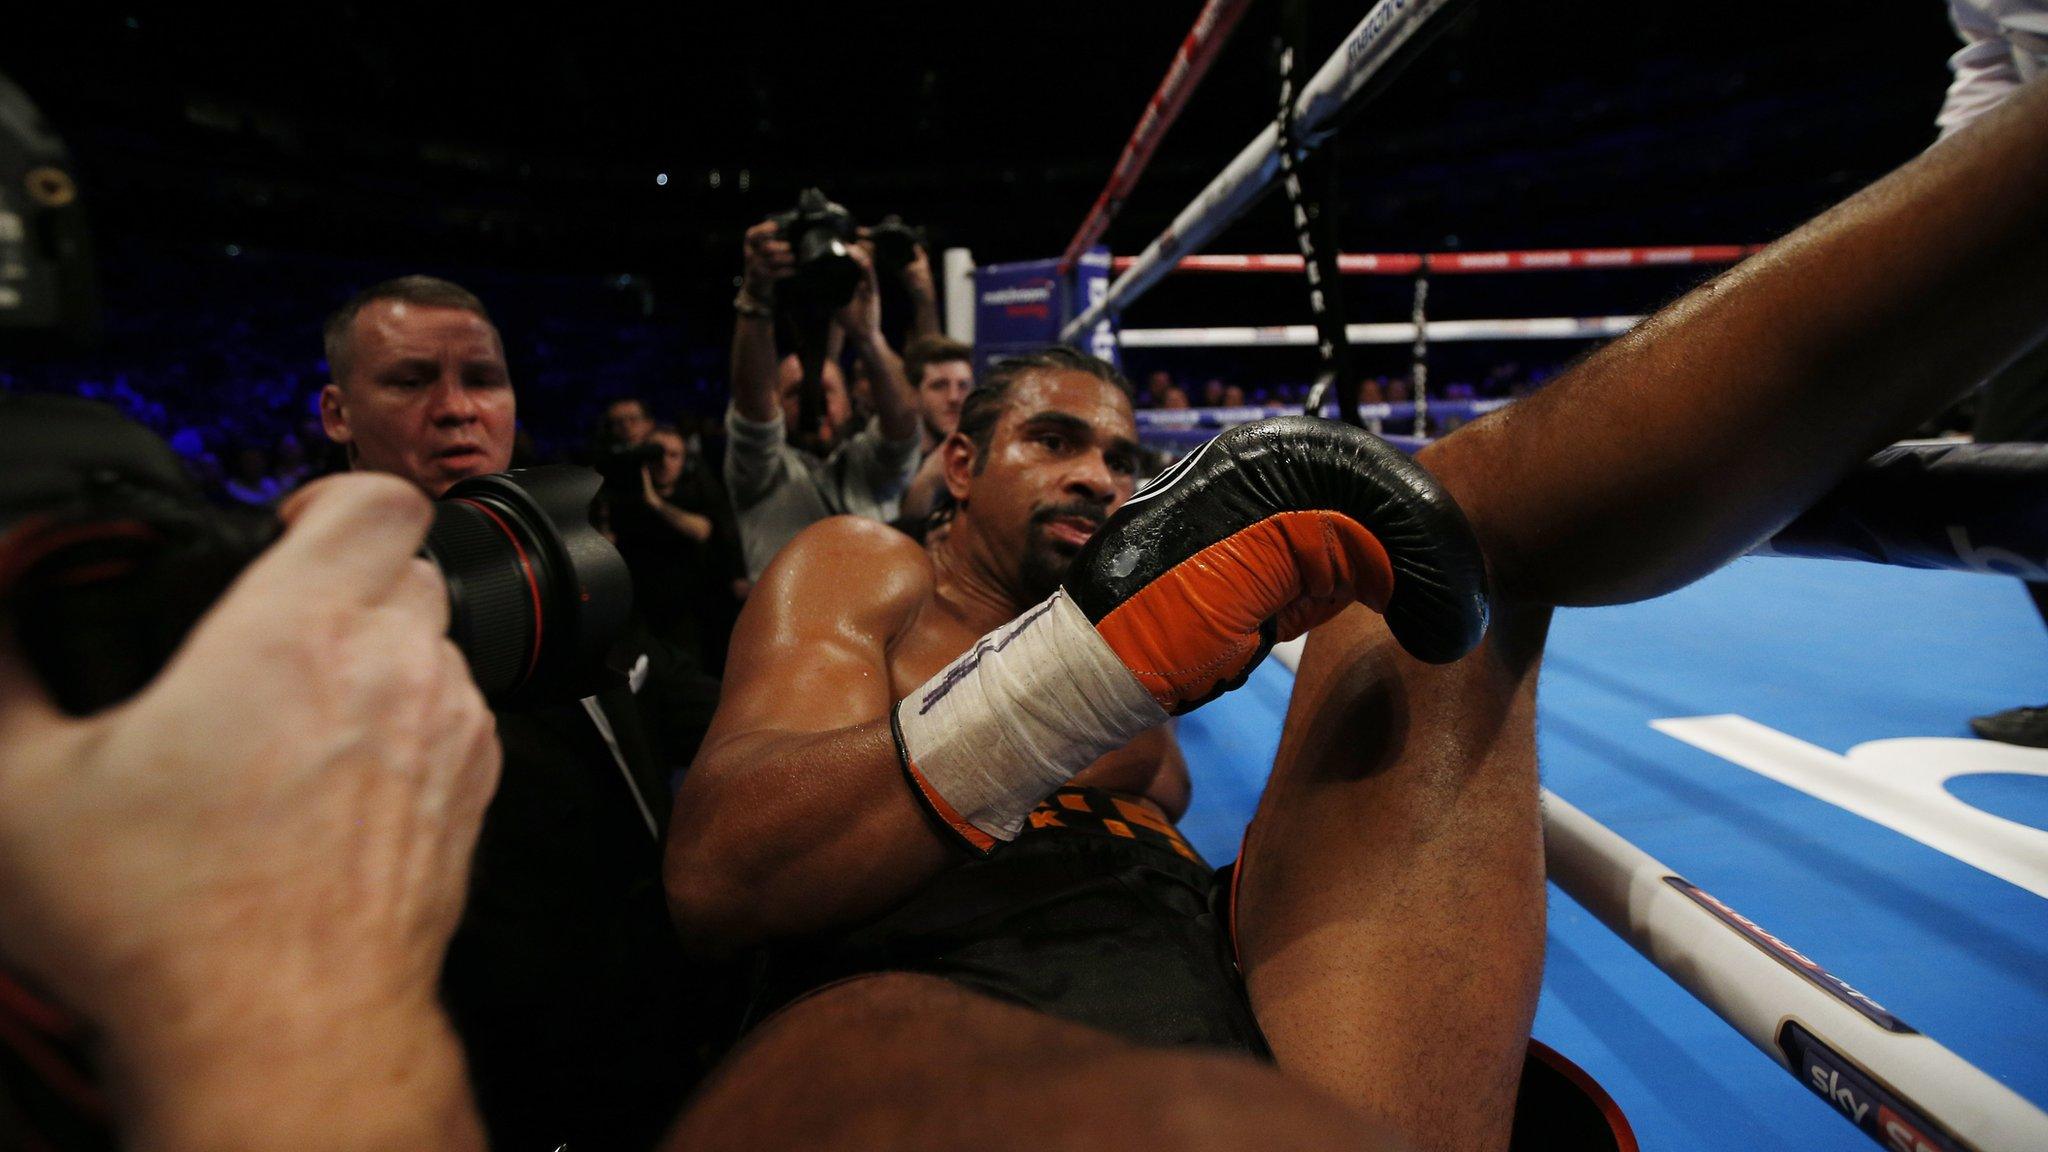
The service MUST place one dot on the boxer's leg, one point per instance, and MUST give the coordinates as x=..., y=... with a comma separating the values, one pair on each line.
x=1390, y=907
x=911, y=1062
x=1390, y=912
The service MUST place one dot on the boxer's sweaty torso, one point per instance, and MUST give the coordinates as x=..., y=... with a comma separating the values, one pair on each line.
x=1099, y=912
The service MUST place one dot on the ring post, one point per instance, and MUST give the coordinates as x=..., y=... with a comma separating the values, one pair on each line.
x=958, y=269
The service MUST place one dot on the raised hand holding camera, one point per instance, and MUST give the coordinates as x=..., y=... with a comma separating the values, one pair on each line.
x=768, y=261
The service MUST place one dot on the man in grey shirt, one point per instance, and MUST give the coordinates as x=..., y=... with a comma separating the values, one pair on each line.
x=779, y=488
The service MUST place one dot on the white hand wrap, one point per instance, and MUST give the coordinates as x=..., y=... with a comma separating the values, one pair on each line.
x=1003, y=726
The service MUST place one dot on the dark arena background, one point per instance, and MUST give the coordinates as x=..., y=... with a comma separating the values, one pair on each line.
x=589, y=173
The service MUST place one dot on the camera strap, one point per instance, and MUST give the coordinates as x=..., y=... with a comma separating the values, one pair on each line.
x=810, y=329
x=611, y=741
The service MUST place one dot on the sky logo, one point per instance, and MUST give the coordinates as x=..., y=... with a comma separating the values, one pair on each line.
x=1881, y=1115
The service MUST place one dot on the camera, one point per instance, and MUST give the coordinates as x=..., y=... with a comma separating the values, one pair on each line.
x=818, y=233
x=108, y=556
x=896, y=245
x=620, y=465
x=49, y=295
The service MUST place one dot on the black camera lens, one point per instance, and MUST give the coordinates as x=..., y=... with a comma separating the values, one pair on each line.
x=536, y=596
x=620, y=465
x=108, y=556
x=896, y=245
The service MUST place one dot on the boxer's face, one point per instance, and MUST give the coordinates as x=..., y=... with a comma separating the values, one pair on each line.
x=426, y=397
x=1063, y=456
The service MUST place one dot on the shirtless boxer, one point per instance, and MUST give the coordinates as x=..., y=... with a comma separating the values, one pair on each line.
x=1390, y=904
x=1046, y=449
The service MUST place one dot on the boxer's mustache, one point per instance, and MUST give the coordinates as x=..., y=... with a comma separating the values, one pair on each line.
x=1093, y=511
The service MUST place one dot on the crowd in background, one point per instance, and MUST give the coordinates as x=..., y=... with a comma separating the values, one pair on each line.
x=239, y=407
x=1162, y=389
x=220, y=354
x=708, y=467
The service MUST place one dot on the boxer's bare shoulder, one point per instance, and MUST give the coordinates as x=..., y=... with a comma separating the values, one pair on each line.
x=829, y=608
x=852, y=569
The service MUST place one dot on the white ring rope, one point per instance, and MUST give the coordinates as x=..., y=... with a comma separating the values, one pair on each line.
x=1390, y=24
x=1440, y=331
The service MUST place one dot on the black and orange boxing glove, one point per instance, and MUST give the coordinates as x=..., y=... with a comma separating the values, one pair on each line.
x=1261, y=534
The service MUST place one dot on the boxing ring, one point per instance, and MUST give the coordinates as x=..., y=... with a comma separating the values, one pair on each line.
x=1630, y=702
x=1774, y=847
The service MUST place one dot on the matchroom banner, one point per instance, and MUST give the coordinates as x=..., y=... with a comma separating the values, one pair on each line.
x=1022, y=307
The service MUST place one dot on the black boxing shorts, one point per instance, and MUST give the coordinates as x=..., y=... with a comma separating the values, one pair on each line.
x=1099, y=912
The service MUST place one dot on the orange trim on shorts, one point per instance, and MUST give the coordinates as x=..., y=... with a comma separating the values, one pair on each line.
x=1145, y=815
x=1244, y=845
x=1078, y=808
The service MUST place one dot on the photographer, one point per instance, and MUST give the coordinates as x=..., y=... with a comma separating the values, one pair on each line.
x=659, y=482
x=626, y=423
x=562, y=977
x=779, y=489
x=620, y=454
x=259, y=968
x=677, y=536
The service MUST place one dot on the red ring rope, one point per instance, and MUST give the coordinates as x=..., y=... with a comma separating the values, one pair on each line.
x=1453, y=263
x=1197, y=51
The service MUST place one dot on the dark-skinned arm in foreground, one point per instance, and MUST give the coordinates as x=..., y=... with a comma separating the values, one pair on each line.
x=1695, y=436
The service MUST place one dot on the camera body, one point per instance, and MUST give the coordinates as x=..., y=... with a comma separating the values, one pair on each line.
x=819, y=234
x=896, y=245
x=620, y=465
x=49, y=295
x=109, y=555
